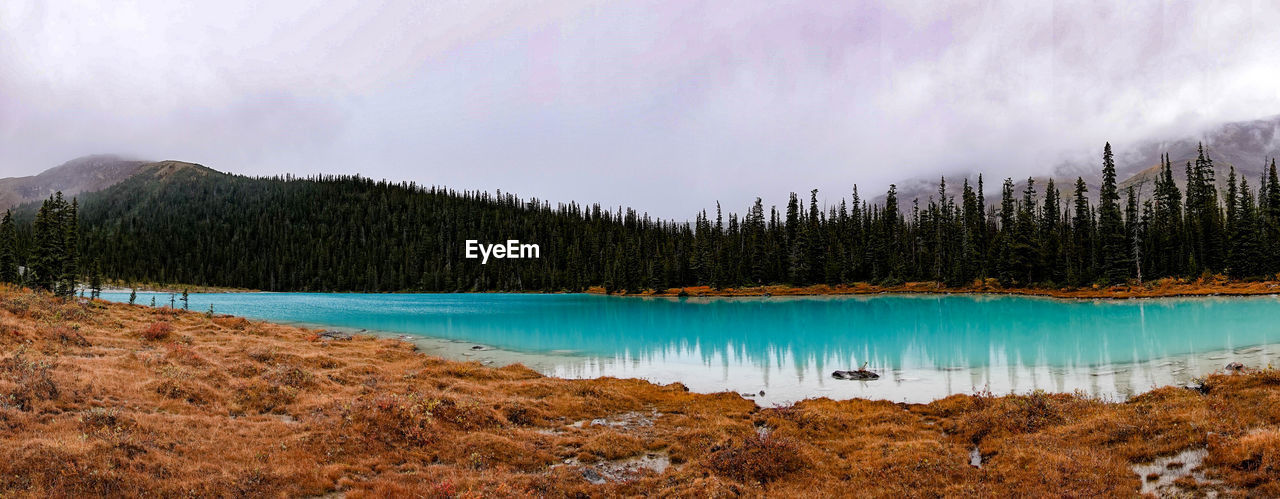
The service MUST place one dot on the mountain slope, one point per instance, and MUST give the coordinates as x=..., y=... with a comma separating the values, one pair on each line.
x=181, y=222
x=86, y=174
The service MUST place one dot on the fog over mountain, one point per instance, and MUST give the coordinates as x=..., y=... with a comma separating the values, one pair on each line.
x=1245, y=146
x=667, y=106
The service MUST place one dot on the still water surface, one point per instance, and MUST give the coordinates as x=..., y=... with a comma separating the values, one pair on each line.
x=925, y=347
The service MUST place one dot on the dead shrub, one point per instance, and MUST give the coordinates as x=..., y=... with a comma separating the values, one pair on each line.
x=393, y=419
x=187, y=391
x=157, y=331
x=760, y=459
x=612, y=445
x=479, y=451
x=64, y=335
x=243, y=370
x=466, y=415
x=165, y=311
x=99, y=417
x=290, y=376
x=523, y=415
x=1249, y=461
x=323, y=362
x=260, y=397
x=20, y=304
x=73, y=311
x=183, y=354
x=32, y=378
x=237, y=323
x=264, y=355
x=1011, y=414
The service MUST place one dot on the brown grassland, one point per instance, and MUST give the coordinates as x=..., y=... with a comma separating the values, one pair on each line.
x=118, y=400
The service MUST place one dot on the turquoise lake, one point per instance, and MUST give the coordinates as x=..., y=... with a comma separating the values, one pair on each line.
x=925, y=346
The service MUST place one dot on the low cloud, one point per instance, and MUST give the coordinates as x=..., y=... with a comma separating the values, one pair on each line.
x=663, y=106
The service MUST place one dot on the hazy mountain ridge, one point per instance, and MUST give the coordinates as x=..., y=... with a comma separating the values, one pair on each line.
x=91, y=174
x=85, y=174
x=1245, y=145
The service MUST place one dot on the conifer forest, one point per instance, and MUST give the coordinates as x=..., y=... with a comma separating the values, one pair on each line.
x=349, y=233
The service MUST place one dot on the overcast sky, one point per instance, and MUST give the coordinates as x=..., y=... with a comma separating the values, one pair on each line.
x=664, y=106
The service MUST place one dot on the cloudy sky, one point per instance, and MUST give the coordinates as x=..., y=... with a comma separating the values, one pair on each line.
x=665, y=106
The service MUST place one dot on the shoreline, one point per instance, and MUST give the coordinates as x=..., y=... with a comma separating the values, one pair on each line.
x=1161, y=288
x=1164, y=288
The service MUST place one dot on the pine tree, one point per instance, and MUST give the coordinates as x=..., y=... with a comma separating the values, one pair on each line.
x=1115, y=248
x=1133, y=233
x=1025, y=249
x=815, y=242
x=1081, y=268
x=95, y=281
x=1234, y=265
x=1270, y=217
x=71, y=243
x=1050, y=240
x=8, y=256
x=1249, y=253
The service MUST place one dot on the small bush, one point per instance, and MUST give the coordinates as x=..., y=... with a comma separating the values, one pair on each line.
x=99, y=417
x=612, y=445
x=65, y=336
x=290, y=376
x=760, y=459
x=184, y=390
x=523, y=415
x=33, y=380
x=394, y=419
x=466, y=415
x=237, y=323
x=20, y=304
x=158, y=331
x=165, y=311
x=183, y=354
x=72, y=311
x=259, y=397
x=264, y=355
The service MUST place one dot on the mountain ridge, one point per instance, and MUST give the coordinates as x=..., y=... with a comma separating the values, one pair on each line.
x=1245, y=145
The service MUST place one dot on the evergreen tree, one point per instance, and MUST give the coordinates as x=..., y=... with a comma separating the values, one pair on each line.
x=95, y=281
x=70, y=225
x=1133, y=231
x=1050, y=240
x=1081, y=268
x=1115, y=248
x=8, y=258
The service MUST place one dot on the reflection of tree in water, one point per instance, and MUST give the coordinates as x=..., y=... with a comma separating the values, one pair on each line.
x=887, y=331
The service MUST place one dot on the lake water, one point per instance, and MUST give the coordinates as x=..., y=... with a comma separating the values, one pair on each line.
x=925, y=346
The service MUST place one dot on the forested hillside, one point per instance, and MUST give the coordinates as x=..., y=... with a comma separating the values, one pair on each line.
x=187, y=224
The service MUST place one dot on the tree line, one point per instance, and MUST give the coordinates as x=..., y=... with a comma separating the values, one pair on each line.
x=47, y=258
x=349, y=233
